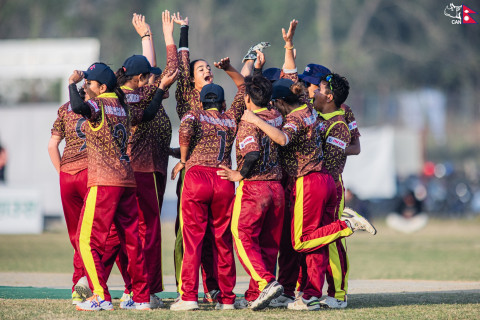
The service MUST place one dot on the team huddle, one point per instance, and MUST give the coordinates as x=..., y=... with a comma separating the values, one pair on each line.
x=292, y=134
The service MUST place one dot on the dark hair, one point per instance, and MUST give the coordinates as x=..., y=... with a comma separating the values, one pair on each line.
x=298, y=90
x=209, y=105
x=122, y=78
x=338, y=86
x=259, y=89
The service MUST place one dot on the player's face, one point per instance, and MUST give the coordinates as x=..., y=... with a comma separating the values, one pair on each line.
x=202, y=74
x=321, y=96
x=93, y=88
x=311, y=90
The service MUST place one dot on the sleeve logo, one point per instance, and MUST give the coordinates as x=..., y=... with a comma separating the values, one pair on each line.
x=94, y=105
x=352, y=125
x=291, y=126
x=336, y=142
x=186, y=117
x=246, y=141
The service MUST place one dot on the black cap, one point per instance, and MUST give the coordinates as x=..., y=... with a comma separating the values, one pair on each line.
x=313, y=73
x=272, y=74
x=281, y=89
x=102, y=73
x=138, y=64
x=212, y=88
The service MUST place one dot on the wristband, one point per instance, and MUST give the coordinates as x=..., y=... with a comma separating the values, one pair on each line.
x=181, y=162
x=288, y=48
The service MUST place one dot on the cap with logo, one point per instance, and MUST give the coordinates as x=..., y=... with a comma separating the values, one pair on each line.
x=281, y=89
x=313, y=73
x=212, y=88
x=138, y=64
x=102, y=73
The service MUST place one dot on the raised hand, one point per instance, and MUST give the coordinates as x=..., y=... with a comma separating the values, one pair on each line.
x=168, y=80
x=223, y=64
x=140, y=25
x=177, y=18
x=167, y=22
x=76, y=77
x=288, y=36
x=260, y=59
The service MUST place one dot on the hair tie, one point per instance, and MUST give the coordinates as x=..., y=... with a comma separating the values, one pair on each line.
x=124, y=69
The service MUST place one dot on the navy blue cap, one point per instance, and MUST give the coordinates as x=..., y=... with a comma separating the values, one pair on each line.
x=313, y=73
x=212, y=88
x=272, y=74
x=138, y=64
x=102, y=73
x=281, y=89
x=156, y=70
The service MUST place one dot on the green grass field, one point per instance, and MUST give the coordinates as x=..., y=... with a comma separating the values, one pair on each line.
x=444, y=250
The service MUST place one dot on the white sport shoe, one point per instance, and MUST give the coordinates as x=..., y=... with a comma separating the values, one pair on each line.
x=220, y=306
x=83, y=289
x=94, y=303
x=181, y=305
x=252, y=54
x=333, y=303
x=156, y=302
x=281, y=302
x=132, y=305
x=271, y=291
x=356, y=222
x=242, y=304
x=211, y=296
x=308, y=305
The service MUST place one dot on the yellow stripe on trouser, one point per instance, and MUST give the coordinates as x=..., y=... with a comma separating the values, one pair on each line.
x=334, y=258
x=237, y=208
x=159, y=210
x=179, y=245
x=84, y=241
x=298, y=223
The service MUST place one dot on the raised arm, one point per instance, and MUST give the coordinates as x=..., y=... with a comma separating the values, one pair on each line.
x=225, y=65
x=172, y=57
x=143, y=30
x=289, y=54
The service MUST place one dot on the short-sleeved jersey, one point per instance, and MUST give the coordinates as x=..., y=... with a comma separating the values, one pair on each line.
x=210, y=134
x=188, y=98
x=351, y=122
x=303, y=153
x=250, y=139
x=335, y=138
x=107, y=137
x=150, y=141
x=71, y=127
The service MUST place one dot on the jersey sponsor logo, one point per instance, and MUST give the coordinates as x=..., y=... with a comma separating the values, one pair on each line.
x=224, y=122
x=336, y=142
x=117, y=111
x=352, y=125
x=311, y=120
x=94, y=105
x=187, y=116
x=291, y=126
x=276, y=122
x=246, y=141
x=133, y=98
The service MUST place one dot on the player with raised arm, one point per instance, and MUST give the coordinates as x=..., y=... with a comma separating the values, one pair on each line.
x=206, y=139
x=257, y=213
x=111, y=186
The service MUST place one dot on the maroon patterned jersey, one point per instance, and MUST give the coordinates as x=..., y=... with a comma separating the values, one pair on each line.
x=149, y=143
x=210, y=133
x=335, y=138
x=107, y=137
x=250, y=138
x=351, y=122
x=188, y=98
x=71, y=127
x=303, y=152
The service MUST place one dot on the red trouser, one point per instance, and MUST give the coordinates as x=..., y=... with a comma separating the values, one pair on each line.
x=314, y=226
x=338, y=266
x=73, y=189
x=288, y=258
x=105, y=205
x=205, y=202
x=257, y=221
x=209, y=275
x=115, y=254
